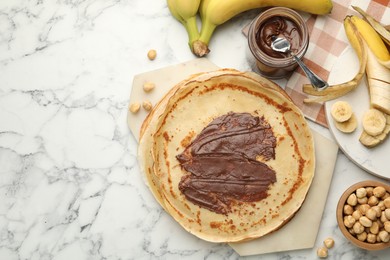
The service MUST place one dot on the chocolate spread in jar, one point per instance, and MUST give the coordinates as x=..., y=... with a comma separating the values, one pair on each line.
x=278, y=26
x=222, y=164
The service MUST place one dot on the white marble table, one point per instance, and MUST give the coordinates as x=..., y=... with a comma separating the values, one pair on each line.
x=70, y=186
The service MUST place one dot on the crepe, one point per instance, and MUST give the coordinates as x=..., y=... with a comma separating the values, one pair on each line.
x=186, y=111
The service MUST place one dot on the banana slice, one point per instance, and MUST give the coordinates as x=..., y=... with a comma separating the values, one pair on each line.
x=374, y=122
x=341, y=111
x=371, y=141
x=347, y=126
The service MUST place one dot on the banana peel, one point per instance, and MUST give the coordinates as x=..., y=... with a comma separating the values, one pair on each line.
x=338, y=90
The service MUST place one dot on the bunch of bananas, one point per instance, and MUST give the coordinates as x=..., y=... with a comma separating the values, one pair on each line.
x=216, y=12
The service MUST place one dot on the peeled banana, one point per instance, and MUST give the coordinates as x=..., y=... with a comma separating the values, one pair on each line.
x=216, y=12
x=185, y=11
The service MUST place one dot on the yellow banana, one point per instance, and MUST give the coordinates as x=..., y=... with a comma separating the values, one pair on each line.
x=185, y=11
x=217, y=12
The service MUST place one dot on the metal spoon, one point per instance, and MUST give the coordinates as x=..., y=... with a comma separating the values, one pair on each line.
x=283, y=45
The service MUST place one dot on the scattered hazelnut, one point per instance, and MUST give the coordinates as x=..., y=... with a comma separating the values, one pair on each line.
x=148, y=86
x=147, y=105
x=322, y=252
x=329, y=242
x=152, y=54
x=134, y=108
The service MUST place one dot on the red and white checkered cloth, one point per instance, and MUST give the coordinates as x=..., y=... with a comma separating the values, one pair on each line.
x=327, y=42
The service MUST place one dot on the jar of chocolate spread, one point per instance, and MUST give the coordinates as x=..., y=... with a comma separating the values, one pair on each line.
x=277, y=22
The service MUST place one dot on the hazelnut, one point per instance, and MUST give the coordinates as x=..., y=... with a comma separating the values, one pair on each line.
x=329, y=242
x=352, y=199
x=369, y=191
x=371, y=238
x=374, y=229
x=349, y=221
x=358, y=228
x=377, y=210
x=322, y=252
x=361, y=193
x=363, y=208
x=348, y=210
x=384, y=236
x=147, y=105
x=148, y=86
x=357, y=214
x=387, y=214
x=381, y=205
x=152, y=54
x=372, y=201
x=362, y=236
x=379, y=191
x=366, y=222
x=386, y=226
x=363, y=200
x=386, y=202
x=134, y=108
x=371, y=214
x=383, y=217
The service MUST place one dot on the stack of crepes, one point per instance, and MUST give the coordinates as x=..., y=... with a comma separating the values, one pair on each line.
x=228, y=155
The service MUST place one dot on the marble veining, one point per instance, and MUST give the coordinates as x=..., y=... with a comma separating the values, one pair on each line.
x=70, y=185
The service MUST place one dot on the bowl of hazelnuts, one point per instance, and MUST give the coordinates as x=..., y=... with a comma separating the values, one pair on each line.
x=363, y=215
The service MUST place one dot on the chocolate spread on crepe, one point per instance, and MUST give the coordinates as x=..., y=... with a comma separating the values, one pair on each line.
x=222, y=162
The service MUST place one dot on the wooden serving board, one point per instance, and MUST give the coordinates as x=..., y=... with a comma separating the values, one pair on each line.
x=310, y=213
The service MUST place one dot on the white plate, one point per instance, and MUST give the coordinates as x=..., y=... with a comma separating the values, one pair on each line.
x=374, y=160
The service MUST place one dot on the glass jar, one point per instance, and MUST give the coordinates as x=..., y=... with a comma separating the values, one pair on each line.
x=276, y=65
